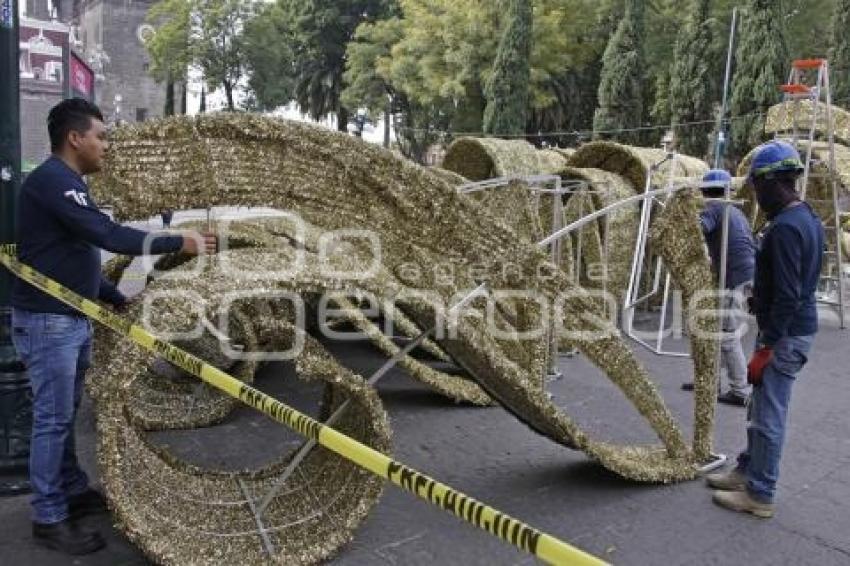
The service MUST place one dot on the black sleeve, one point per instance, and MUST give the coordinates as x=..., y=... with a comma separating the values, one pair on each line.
x=90, y=224
x=109, y=293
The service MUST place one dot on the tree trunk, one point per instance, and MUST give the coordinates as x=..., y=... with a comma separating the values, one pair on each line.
x=169, y=98
x=184, y=99
x=342, y=119
x=228, y=91
x=387, y=119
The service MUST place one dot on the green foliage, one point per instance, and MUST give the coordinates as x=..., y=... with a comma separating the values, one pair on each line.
x=206, y=33
x=693, y=90
x=269, y=58
x=367, y=85
x=621, y=87
x=433, y=64
x=439, y=55
x=840, y=54
x=309, y=65
x=507, y=88
x=661, y=111
x=762, y=64
x=417, y=126
x=809, y=27
x=217, y=42
x=169, y=47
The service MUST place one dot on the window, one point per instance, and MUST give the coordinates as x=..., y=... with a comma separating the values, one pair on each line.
x=141, y=114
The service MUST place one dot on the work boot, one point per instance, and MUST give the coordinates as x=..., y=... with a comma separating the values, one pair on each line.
x=730, y=480
x=742, y=502
x=733, y=398
x=67, y=537
x=89, y=502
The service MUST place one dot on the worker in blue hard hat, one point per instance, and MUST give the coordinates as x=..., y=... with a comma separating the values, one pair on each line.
x=740, y=265
x=788, y=266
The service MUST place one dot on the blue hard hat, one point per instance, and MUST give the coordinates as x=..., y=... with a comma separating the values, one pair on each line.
x=716, y=179
x=773, y=157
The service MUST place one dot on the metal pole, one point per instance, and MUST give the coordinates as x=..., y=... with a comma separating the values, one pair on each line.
x=721, y=135
x=816, y=103
x=633, y=288
x=553, y=371
x=15, y=406
x=833, y=177
x=10, y=133
x=723, y=304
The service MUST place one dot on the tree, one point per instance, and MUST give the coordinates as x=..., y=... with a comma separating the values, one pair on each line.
x=507, y=107
x=217, y=42
x=692, y=87
x=809, y=27
x=621, y=90
x=168, y=110
x=566, y=95
x=270, y=59
x=311, y=65
x=762, y=61
x=661, y=111
x=443, y=56
x=169, y=46
x=417, y=126
x=366, y=87
x=206, y=33
x=840, y=54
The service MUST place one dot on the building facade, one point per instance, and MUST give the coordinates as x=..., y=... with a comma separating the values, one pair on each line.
x=108, y=36
x=111, y=33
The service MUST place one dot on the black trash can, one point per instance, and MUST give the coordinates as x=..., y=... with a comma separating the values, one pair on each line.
x=15, y=429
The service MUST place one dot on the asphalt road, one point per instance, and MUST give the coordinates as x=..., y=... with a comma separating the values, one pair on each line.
x=488, y=454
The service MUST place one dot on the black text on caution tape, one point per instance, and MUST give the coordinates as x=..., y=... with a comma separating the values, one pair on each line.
x=280, y=412
x=504, y=527
x=178, y=357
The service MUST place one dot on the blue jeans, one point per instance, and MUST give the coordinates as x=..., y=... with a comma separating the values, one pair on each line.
x=56, y=350
x=767, y=415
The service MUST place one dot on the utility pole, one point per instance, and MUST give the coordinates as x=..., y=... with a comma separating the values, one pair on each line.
x=722, y=125
x=15, y=404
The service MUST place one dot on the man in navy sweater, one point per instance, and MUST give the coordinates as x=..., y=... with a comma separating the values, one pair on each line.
x=60, y=233
x=740, y=264
x=788, y=266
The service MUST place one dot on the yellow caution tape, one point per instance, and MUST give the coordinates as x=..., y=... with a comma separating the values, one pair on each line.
x=510, y=530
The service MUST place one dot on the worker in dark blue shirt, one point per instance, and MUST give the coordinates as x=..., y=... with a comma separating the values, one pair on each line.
x=788, y=267
x=60, y=232
x=740, y=264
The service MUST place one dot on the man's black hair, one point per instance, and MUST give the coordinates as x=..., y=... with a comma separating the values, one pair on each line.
x=73, y=114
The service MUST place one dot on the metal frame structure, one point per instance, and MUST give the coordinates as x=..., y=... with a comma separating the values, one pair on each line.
x=633, y=297
x=647, y=199
x=820, y=96
x=539, y=184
